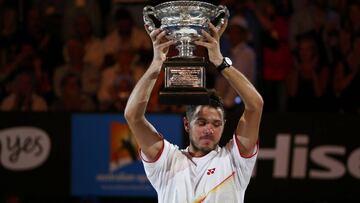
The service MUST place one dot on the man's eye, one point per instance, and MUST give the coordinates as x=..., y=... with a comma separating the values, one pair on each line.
x=201, y=123
x=217, y=124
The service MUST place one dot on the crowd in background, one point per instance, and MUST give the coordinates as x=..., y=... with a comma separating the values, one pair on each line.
x=87, y=55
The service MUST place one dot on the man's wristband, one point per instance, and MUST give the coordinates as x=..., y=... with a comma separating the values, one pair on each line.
x=226, y=63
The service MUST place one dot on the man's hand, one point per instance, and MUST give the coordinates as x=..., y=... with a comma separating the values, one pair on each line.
x=212, y=42
x=160, y=43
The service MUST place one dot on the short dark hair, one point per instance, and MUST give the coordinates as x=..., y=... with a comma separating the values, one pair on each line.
x=215, y=101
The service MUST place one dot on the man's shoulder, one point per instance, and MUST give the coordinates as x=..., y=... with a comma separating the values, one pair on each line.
x=171, y=145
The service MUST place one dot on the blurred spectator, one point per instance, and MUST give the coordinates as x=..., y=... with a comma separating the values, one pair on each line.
x=27, y=60
x=126, y=35
x=88, y=74
x=23, y=96
x=242, y=55
x=8, y=44
x=302, y=21
x=142, y=62
x=277, y=57
x=352, y=19
x=120, y=92
x=72, y=98
x=37, y=51
x=21, y=58
x=343, y=46
x=50, y=7
x=116, y=77
x=308, y=79
x=247, y=9
x=45, y=45
x=8, y=35
x=330, y=37
x=347, y=79
x=93, y=48
x=315, y=19
x=73, y=8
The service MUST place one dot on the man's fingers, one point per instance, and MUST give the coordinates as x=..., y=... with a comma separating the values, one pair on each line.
x=147, y=29
x=161, y=35
x=223, y=27
x=204, y=44
x=154, y=33
x=166, y=44
x=208, y=36
x=214, y=30
x=212, y=26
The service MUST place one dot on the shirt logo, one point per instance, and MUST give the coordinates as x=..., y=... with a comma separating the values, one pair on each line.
x=210, y=171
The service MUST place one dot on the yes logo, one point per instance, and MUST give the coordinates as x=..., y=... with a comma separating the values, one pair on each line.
x=23, y=148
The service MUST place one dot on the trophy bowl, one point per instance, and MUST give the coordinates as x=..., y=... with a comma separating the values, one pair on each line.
x=183, y=22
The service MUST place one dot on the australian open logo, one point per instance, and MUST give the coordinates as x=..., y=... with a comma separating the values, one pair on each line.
x=123, y=168
x=123, y=147
x=23, y=148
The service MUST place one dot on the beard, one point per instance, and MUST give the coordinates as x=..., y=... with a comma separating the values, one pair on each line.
x=204, y=149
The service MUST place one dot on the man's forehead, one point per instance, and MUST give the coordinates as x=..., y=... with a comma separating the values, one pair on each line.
x=200, y=112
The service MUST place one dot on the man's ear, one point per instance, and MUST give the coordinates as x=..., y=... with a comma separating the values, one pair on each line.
x=186, y=124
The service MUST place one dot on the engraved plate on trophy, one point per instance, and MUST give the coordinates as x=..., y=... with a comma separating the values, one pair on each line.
x=183, y=22
x=183, y=76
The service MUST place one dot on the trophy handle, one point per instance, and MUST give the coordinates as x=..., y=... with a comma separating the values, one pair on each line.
x=149, y=18
x=222, y=13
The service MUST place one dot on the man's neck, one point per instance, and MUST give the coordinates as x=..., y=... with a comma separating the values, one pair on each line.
x=198, y=153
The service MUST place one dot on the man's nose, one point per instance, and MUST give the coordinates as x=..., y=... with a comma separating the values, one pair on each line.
x=209, y=129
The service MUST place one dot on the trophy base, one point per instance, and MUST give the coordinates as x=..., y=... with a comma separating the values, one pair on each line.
x=184, y=81
x=184, y=97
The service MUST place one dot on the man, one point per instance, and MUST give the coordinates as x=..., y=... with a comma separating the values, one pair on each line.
x=203, y=172
x=23, y=96
x=126, y=35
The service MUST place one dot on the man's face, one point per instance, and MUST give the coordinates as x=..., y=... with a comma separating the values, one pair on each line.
x=205, y=129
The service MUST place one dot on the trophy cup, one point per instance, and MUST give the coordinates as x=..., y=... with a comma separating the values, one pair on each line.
x=185, y=81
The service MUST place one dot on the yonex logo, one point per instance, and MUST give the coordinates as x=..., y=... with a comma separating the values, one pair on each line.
x=210, y=171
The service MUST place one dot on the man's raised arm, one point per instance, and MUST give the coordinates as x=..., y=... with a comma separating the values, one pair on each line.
x=146, y=135
x=247, y=130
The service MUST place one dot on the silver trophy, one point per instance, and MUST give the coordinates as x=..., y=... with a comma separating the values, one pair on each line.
x=183, y=22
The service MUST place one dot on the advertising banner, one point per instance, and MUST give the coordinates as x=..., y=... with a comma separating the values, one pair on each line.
x=105, y=156
x=307, y=157
x=35, y=154
x=303, y=157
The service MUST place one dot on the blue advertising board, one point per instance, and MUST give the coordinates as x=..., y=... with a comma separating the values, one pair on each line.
x=105, y=158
